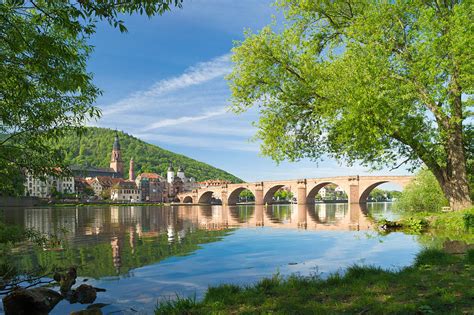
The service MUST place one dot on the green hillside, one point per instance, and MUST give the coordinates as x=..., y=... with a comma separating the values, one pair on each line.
x=94, y=149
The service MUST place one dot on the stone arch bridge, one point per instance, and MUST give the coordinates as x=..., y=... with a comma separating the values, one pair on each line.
x=357, y=189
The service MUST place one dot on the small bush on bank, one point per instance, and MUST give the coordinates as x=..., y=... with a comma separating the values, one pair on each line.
x=422, y=195
x=469, y=220
x=415, y=225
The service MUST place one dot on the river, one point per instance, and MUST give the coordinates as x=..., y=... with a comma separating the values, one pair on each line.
x=141, y=254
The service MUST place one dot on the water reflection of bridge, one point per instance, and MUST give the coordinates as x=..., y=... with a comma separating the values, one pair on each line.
x=106, y=222
x=318, y=217
x=121, y=228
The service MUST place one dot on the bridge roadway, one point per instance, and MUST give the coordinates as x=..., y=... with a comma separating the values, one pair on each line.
x=356, y=187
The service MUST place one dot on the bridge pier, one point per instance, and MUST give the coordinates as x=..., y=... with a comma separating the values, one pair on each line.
x=301, y=192
x=224, y=198
x=259, y=194
x=302, y=216
x=353, y=193
x=259, y=214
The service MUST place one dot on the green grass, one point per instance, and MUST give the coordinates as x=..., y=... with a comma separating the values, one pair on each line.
x=441, y=226
x=454, y=225
x=438, y=283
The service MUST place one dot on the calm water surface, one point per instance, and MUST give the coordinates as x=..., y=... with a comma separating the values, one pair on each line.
x=140, y=254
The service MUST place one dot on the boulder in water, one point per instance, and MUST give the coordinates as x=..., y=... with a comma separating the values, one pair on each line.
x=31, y=301
x=84, y=294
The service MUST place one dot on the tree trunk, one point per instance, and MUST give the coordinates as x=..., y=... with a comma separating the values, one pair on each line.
x=453, y=179
x=456, y=186
x=456, y=191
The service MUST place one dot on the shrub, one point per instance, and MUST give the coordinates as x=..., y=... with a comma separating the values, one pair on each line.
x=415, y=225
x=468, y=219
x=422, y=195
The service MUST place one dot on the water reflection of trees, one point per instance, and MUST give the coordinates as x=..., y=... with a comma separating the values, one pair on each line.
x=279, y=213
x=112, y=240
x=106, y=241
x=242, y=213
x=121, y=254
x=330, y=212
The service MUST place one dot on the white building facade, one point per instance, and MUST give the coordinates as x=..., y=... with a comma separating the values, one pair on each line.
x=125, y=191
x=43, y=188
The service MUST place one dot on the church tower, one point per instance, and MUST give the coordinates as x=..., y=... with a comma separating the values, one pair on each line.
x=116, y=162
x=180, y=173
x=131, y=170
x=170, y=174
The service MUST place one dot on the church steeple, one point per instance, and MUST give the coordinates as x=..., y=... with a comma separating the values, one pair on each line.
x=116, y=142
x=116, y=162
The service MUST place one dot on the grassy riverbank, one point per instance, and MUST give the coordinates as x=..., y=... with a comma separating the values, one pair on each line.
x=455, y=225
x=437, y=283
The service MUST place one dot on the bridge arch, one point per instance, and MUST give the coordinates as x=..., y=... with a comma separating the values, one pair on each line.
x=233, y=196
x=366, y=190
x=268, y=196
x=311, y=194
x=187, y=199
x=206, y=197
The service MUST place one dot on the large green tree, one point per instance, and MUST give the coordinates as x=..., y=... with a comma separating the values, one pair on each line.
x=376, y=82
x=45, y=88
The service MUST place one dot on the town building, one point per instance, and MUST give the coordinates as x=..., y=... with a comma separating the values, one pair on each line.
x=332, y=192
x=82, y=187
x=152, y=187
x=125, y=191
x=178, y=182
x=91, y=171
x=36, y=186
x=109, y=183
x=102, y=185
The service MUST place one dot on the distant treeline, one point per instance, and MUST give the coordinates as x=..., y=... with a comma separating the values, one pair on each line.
x=94, y=147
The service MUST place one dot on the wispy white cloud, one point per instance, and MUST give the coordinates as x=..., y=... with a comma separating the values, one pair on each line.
x=201, y=142
x=168, y=122
x=195, y=75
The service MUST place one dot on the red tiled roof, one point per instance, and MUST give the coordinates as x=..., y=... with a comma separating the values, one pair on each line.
x=106, y=181
x=125, y=184
x=151, y=175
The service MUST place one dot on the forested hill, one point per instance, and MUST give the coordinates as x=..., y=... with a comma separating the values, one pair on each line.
x=95, y=146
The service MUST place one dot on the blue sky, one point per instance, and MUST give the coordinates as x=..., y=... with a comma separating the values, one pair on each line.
x=163, y=82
